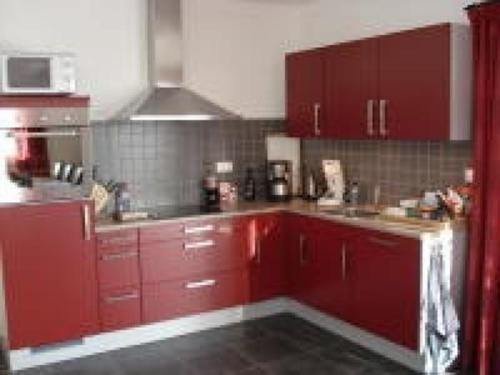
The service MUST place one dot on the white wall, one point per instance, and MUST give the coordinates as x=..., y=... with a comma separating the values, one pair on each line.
x=233, y=48
x=234, y=52
x=108, y=37
x=330, y=21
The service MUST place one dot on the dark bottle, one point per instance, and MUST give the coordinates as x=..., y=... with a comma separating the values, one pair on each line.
x=211, y=195
x=249, y=186
x=122, y=200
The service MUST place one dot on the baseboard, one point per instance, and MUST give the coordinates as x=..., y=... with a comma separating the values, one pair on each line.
x=27, y=358
x=385, y=348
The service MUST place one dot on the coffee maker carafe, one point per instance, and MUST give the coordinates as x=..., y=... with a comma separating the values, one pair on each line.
x=279, y=177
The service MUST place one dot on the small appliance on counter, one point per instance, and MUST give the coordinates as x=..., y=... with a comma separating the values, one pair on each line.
x=279, y=180
x=249, y=188
x=335, y=186
x=210, y=189
x=310, y=186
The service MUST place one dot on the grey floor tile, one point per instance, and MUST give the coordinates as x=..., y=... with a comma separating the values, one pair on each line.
x=267, y=349
x=281, y=344
x=99, y=365
x=223, y=361
x=254, y=371
x=302, y=364
x=303, y=334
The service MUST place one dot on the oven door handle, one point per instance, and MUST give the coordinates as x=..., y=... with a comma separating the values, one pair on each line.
x=26, y=135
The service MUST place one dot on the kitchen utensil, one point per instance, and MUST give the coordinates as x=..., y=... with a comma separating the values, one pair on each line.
x=310, y=187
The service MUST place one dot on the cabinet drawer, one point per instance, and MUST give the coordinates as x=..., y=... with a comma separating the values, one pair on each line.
x=111, y=241
x=118, y=269
x=120, y=308
x=194, y=295
x=189, y=229
x=164, y=261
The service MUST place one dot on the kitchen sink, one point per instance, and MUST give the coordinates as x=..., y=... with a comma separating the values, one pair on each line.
x=352, y=212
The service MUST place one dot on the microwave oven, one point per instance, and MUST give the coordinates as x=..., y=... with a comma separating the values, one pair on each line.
x=37, y=73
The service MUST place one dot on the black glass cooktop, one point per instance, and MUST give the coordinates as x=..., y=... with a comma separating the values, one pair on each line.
x=170, y=212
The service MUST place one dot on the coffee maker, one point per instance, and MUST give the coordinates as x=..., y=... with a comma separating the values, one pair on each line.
x=279, y=180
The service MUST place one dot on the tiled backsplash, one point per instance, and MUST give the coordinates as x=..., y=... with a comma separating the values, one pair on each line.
x=401, y=169
x=163, y=163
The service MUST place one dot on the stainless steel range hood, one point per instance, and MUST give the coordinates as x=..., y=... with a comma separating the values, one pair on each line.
x=168, y=99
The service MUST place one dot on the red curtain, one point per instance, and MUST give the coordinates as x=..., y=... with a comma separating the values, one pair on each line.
x=482, y=316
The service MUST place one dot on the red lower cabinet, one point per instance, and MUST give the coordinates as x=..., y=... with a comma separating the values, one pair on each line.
x=268, y=270
x=384, y=279
x=178, y=258
x=367, y=278
x=118, y=268
x=317, y=262
x=120, y=308
x=49, y=270
x=119, y=279
x=194, y=295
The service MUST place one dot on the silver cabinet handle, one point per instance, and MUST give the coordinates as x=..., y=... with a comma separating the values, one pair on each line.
x=344, y=261
x=383, y=118
x=258, y=251
x=317, y=108
x=302, y=250
x=369, y=117
x=87, y=235
x=203, y=229
x=198, y=245
x=201, y=284
x=119, y=256
x=382, y=242
x=117, y=241
x=122, y=298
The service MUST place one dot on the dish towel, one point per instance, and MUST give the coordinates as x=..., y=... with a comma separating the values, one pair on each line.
x=442, y=322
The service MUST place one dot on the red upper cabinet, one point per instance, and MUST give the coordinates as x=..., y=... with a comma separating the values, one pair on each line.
x=352, y=89
x=305, y=73
x=419, y=84
x=49, y=267
x=411, y=85
x=268, y=271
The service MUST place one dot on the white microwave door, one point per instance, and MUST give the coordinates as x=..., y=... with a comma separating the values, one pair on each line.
x=29, y=73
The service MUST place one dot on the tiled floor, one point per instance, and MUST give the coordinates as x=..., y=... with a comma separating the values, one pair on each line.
x=282, y=344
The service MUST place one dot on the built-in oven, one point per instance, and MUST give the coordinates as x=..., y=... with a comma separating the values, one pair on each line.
x=44, y=152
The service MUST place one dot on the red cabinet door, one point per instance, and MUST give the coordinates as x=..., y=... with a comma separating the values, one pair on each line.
x=49, y=266
x=118, y=269
x=305, y=93
x=315, y=263
x=118, y=259
x=268, y=277
x=414, y=86
x=352, y=89
x=197, y=294
x=165, y=261
x=384, y=273
x=120, y=308
x=300, y=267
x=331, y=286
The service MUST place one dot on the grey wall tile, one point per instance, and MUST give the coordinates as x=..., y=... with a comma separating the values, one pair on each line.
x=402, y=169
x=163, y=163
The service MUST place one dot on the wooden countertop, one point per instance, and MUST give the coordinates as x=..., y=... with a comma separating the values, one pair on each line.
x=417, y=229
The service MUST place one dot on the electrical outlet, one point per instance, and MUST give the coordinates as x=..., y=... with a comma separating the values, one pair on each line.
x=224, y=167
x=469, y=175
